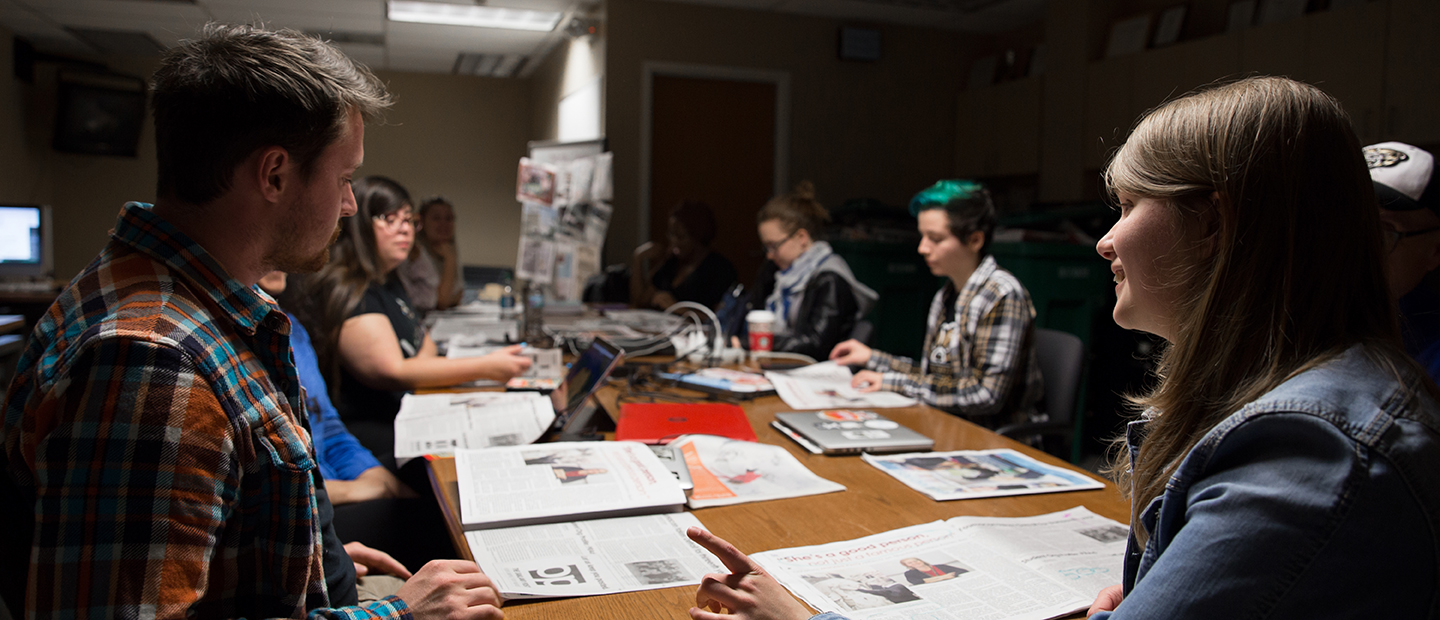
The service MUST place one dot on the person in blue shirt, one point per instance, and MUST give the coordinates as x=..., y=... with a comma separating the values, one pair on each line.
x=372, y=506
x=1284, y=463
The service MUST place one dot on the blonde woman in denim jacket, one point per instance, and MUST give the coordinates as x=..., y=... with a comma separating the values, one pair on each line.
x=1287, y=463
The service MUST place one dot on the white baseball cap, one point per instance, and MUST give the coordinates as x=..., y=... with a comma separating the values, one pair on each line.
x=1402, y=175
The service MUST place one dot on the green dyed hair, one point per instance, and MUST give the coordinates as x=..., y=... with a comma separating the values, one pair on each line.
x=966, y=203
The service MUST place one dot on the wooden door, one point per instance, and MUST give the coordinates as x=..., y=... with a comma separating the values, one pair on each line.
x=714, y=140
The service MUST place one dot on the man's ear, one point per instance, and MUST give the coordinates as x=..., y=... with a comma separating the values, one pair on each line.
x=274, y=172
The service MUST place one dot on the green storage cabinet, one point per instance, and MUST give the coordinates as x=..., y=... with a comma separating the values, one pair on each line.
x=1067, y=282
x=905, y=285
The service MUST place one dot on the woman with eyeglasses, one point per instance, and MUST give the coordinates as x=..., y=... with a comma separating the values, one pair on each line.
x=979, y=352
x=815, y=297
x=368, y=337
x=432, y=274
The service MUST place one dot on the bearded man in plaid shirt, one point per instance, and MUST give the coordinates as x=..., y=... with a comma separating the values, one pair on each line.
x=157, y=461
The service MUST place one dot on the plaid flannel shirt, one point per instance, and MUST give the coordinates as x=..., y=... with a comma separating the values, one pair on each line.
x=154, y=454
x=981, y=361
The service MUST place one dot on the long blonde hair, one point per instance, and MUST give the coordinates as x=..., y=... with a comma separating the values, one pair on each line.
x=1282, y=263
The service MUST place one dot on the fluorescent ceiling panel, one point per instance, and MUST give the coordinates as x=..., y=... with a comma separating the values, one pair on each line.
x=473, y=16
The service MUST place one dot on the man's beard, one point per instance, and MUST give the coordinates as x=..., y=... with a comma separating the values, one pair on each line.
x=285, y=258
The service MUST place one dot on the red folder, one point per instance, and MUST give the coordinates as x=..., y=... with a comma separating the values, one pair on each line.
x=659, y=423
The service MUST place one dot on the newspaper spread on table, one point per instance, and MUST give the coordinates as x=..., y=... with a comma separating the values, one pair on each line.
x=472, y=329
x=444, y=423
x=726, y=471
x=967, y=474
x=972, y=568
x=583, y=558
x=827, y=386
x=563, y=481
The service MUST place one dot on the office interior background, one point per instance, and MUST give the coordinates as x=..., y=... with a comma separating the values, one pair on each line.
x=733, y=101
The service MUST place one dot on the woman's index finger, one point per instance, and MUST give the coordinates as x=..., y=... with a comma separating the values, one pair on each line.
x=731, y=557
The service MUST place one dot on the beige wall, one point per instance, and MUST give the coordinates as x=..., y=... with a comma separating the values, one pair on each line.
x=461, y=137
x=456, y=136
x=881, y=130
x=572, y=65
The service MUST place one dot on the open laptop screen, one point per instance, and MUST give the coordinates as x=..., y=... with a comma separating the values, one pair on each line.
x=586, y=375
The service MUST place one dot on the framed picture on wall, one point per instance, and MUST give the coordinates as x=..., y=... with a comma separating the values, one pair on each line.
x=1241, y=16
x=1167, y=29
x=1128, y=36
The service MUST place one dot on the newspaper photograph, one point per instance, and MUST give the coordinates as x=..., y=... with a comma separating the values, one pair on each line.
x=1028, y=568
x=969, y=474
x=535, y=182
x=827, y=386
x=445, y=423
x=565, y=481
x=584, y=558
x=726, y=471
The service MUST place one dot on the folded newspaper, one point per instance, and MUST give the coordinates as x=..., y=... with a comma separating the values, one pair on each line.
x=827, y=386
x=566, y=481
x=584, y=558
x=444, y=423
x=725, y=471
x=969, y=474
x=1029, y=568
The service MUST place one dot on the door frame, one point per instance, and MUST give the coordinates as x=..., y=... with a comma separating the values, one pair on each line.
x=650, y=69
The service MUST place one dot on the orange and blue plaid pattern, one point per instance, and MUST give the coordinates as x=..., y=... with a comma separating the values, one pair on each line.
x=154, y=453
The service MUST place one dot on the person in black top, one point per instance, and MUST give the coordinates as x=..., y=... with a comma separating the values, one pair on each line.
x=685, y=268
x=368, y=338
x=815, y=297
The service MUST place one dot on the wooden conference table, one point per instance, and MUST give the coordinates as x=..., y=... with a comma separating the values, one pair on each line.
x=873, y=502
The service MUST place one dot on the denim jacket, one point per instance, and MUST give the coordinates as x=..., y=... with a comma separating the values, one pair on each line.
x=1320, y=499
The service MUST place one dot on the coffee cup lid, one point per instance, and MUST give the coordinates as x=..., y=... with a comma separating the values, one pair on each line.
x=760, y=316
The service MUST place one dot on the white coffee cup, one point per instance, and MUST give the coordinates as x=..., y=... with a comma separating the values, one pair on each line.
x=762, y=329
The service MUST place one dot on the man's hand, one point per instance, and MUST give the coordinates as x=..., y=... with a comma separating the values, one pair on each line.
x=1107, y=600
x=451, y=589
x=369, y=560
x=852, y=352
x=747, y=593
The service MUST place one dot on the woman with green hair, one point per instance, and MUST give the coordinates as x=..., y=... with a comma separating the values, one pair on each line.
x=979, y=352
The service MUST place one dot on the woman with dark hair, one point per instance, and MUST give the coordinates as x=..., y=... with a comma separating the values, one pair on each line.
x=431, y=274
x=979, y=339
x=815, y=297
x=685, y=268
x=368, y=337
x=1284, y=465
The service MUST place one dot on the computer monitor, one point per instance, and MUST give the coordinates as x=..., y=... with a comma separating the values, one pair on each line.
x=26, y=242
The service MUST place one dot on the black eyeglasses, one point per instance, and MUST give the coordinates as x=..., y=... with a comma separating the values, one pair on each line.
x=1394, y=237
x=774, y=246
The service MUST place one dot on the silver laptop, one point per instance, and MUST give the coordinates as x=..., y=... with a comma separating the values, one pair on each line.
x=846, y=431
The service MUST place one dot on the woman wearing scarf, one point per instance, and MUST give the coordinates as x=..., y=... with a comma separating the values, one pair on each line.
x=816, y=299
x=979, y=339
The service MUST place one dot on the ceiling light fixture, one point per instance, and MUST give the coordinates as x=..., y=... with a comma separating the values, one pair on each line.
x=475, y=16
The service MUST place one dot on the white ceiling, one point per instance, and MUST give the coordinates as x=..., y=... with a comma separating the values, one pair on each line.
x=359, y=26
